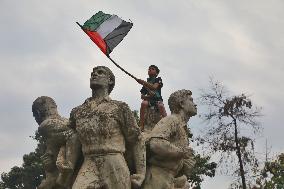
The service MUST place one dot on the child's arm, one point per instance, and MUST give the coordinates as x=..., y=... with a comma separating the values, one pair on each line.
x=150, y=86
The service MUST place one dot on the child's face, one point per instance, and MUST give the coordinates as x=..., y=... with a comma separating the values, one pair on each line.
x=152, y=71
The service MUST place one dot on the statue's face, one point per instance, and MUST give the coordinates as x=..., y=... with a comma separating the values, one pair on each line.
x=38, y=117
x=99, y=78
x=189, y=106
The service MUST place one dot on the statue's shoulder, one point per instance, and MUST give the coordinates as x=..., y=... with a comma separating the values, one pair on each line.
x=169, y=120
x=53, y=125
x=121, y=105
x=80, y=108
x=55, y=121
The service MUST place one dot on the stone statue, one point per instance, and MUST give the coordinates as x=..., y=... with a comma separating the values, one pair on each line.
x=102, y=147
x=107, y=130
x=62, y=147
x=152, y=117
x=170, y=158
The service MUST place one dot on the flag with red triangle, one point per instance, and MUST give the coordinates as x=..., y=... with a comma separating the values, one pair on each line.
x=106, y=30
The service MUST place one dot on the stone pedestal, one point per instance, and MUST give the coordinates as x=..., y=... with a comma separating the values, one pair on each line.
x=152, y=117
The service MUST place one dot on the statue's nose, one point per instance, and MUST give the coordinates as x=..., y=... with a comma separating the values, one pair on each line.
x=95, y=74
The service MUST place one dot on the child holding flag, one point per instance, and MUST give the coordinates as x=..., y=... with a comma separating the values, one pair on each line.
x=151, y=94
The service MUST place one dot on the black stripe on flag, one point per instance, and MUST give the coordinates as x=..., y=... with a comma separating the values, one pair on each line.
x=117, y=35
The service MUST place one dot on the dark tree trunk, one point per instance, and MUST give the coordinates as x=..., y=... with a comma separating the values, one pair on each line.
x=238, y=151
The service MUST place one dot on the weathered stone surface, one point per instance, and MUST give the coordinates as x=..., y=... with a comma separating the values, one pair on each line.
x=169, y=155
x=152, y=117
x=104, y=134
x=59, y=139
x=104, y=127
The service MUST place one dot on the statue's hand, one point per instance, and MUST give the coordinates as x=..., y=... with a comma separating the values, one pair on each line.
x=187, y=152
x=137, y=180
x=47, y=161
x=64, y=167
x=180, y=182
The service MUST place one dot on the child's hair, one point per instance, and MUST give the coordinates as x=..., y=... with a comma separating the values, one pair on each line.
x=156, y=68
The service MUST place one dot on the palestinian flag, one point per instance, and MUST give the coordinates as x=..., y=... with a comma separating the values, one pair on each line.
x=106, y=30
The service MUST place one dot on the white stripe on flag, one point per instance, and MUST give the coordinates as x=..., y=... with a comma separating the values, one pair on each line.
x=109, y=25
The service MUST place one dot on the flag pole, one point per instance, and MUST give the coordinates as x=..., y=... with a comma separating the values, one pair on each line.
x=79, y=25
x=122, y=68
x=113, y=60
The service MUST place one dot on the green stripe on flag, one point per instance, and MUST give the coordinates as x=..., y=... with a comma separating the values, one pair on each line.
x=96, y=20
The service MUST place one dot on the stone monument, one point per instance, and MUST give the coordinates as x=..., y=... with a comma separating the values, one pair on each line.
x=104, y=134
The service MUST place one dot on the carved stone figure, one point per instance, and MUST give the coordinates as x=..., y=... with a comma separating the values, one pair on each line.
x=106, y=130
x=61, y=143
x=170, y=157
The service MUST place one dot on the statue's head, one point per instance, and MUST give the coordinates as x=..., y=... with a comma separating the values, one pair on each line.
x=181, y=100
x=102, y=77
x=43, y=107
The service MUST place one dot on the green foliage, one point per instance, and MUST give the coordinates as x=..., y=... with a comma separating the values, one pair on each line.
x=30, y=174
x=272, y=175
x=201, y=168
x=136, y=116
x=13, y=179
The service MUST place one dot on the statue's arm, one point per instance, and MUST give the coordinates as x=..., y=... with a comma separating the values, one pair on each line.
x=49, y=157
x=135, y=141
x=187, y=168
x=165, y=149
x=70, y=154
x=73, y=144
x=139, y=155
x=48, y=161
x=73, y=149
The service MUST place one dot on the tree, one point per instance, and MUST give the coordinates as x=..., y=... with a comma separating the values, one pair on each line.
x=272, y=174
x=232, y=125
x=201, y=168
x=136, y=116
x=30, y=174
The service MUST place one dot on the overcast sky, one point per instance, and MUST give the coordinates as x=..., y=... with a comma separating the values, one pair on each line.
x=43, y=52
